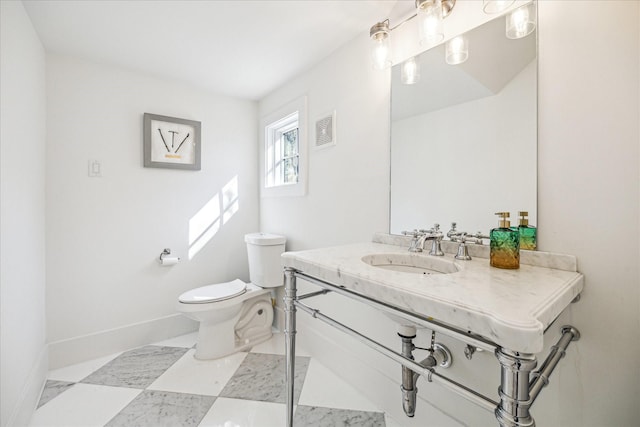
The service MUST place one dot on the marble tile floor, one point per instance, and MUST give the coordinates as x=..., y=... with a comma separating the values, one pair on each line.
x=164, y=385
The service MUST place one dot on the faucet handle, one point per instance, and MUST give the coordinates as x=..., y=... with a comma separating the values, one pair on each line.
x=476, y=238
x=480, y=236
x=415, y=242
x=453, y=232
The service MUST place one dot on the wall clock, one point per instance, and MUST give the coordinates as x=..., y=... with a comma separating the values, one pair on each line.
x=171, y=143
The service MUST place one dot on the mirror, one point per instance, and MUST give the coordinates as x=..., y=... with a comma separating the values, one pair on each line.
x=464, y=137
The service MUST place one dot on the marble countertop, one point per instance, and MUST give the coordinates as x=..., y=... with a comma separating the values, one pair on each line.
x=511, y=308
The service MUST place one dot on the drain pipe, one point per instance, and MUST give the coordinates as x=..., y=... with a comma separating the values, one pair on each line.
x=439, y=355
x=409, y=377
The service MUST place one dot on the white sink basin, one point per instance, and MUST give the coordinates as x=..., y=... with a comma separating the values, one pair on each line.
x=413, y=263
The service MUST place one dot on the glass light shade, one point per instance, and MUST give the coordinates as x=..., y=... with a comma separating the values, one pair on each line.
x=521, y=22
x=430, y=22
x=495, y=6
x=410, y=72
x=457, y=50
x=380, y=52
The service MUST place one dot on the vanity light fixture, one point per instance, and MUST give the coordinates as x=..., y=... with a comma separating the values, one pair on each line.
x=495, y=6
x=457, y=50
x=380, y=51
x=430, y=12
x=521, y=22
x=410, y=71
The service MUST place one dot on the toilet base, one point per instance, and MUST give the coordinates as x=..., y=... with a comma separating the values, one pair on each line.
x=251, y=326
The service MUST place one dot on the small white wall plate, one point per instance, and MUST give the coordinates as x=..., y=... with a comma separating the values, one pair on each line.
x=325, y=131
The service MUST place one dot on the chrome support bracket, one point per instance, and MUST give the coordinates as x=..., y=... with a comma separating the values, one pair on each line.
x=517, y=392
x=423, y=368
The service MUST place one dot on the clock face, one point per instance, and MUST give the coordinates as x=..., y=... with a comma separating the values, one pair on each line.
x=172, y=143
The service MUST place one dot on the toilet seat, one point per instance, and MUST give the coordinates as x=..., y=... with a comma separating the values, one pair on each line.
x=213, y=293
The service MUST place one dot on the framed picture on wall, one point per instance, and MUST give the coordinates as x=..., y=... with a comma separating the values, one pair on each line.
x=171, y=143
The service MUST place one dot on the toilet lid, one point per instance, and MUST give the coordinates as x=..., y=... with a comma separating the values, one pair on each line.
x=212, y=293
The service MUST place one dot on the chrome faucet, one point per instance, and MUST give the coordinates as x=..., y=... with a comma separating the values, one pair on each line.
x=435, y=235
x=463, y=238
x=421, y=236
x=417, y=242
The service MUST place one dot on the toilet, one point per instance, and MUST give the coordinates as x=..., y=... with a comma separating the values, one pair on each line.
x=235, y=315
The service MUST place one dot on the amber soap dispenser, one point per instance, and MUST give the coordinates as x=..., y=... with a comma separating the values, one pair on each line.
x=505, y=244
x=528, y=233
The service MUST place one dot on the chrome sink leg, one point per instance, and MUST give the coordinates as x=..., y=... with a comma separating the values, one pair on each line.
x=290, y=338
x=513, y=410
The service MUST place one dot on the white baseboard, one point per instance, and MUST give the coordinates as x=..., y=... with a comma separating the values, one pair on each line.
x=79, y=349
x=30, y=395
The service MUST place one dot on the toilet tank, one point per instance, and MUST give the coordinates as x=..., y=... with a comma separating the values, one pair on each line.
x=264, y=250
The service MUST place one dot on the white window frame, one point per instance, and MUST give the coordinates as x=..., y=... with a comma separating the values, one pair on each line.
x=274, y=158
x=271, y=127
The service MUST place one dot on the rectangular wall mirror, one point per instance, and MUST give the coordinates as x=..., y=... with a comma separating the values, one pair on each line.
x=464, y=137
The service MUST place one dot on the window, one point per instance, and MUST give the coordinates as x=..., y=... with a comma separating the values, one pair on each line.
x=283, y=151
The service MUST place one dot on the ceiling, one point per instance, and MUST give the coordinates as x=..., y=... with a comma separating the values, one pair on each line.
x=239, y=48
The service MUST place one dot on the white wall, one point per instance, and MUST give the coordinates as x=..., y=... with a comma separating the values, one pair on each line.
x=588, y=200
x=345, y=198
x=337, y=174
x=105, y=289
x=588, y=196
x=23, y=355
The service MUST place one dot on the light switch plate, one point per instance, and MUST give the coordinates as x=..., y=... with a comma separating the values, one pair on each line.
x=95, y=169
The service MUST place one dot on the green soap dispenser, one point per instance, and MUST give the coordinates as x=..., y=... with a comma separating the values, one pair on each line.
x=528, y=233
x=505, y=244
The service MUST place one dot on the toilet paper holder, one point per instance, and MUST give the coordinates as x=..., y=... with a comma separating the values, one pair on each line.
x=165, y=259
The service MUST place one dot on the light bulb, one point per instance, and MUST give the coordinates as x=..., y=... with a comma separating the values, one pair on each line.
x=410, y=72
x=521, y=22
x=380, y=54
x=457, y=50
x=430, y=22
x=380, y=50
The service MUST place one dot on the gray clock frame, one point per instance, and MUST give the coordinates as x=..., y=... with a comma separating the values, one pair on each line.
x=148, y=163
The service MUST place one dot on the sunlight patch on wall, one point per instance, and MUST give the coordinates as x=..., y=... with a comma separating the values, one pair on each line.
x=207, y=221
x=230, y=203
x=204, y=225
